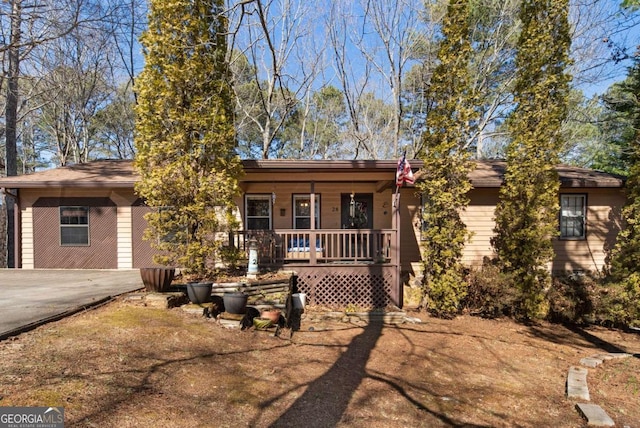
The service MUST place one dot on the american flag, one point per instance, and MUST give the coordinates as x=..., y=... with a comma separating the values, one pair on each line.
x=404, y=173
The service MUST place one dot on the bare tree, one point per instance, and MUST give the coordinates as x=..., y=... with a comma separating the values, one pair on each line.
x=273, y=44
x=24, y=26
x=394, y=30
x=68, y=110
x=603, y=36
x=374, y=45
x=125, y=23
x=353, y=80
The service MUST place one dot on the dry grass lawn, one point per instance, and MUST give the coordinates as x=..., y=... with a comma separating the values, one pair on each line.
x=123, y=365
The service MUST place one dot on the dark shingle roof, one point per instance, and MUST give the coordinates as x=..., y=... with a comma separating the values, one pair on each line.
x=120, y=173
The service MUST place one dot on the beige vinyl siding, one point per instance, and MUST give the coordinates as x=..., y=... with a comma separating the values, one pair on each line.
x=590, y=254
x=125, y=238
x=330, y=209
x=480, y=220
x=27, y=238
x=602, y=226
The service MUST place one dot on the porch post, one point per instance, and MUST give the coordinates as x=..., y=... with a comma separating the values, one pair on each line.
x=397, y=292
x=312, y=234
x=312, y=196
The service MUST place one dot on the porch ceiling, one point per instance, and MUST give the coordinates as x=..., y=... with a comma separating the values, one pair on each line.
x=380, y=185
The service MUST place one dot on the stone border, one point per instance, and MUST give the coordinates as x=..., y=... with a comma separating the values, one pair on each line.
x=577, y=388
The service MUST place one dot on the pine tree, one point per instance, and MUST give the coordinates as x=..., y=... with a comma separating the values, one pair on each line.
x=184, y=135
x=625, y=260
x=447, y=164
x=527, y=213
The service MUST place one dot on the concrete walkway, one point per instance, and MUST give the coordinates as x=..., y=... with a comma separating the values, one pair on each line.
x=31, y=297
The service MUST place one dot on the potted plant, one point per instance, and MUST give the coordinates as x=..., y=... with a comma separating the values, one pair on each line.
x=157, y=278
x=272, y=314
x=199, y=292
x=235, y=302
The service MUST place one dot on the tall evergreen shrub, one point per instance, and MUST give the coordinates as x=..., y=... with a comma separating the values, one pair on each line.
x=527, y=213
x=184, y=133
x=447, y=163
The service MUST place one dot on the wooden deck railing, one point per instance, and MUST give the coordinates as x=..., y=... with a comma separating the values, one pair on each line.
x=289, y=246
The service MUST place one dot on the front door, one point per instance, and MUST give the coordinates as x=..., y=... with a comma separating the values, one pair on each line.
x=357, y=211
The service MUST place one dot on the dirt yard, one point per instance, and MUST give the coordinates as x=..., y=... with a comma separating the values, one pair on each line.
x=123, y=365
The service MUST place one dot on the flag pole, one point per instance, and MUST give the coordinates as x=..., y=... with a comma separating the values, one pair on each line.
x=399, y=179
x=396, y=196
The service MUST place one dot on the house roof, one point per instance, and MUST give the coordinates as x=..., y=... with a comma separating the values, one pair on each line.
x=121, y=174
x=490, y=173
x=101, y=173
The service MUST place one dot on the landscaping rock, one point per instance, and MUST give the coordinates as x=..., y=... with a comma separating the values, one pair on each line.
x=591, y=361
x=595, y=415
x=577, y=383
x=227, y=323
x=157, y=300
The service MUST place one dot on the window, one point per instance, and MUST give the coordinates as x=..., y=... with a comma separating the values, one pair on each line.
x=302, y=212
x=74, y=226
x=258, y=212
x=572, y=216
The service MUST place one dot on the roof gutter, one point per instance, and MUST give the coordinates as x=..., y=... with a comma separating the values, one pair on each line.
x=68, y=184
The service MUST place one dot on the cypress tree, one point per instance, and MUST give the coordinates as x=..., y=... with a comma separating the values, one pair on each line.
x=527, y=213
x=447, y=163
x=184, y=134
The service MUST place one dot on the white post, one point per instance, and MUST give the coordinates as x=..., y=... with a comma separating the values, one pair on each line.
x=252, y=269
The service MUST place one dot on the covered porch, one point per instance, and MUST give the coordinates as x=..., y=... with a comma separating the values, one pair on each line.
x=334, y=267
x=334, y=223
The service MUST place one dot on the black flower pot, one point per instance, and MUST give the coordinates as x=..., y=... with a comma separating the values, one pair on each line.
x=199, y=292
x=157, y=279
x=235, y=303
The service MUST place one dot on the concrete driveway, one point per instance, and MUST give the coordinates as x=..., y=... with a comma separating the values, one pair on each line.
x=31, y=297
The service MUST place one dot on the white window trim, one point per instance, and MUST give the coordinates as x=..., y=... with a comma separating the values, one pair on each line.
x=317, y=213
x=70, y=226
x=258, y=196
x=584, y=216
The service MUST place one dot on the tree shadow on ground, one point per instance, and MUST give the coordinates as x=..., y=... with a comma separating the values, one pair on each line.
x=595, y=340
x=576, y=335
x=333, y=390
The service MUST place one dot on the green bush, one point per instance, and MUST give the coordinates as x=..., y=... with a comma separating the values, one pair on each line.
x=620, y=302
x=573, y=299
x=445, y=294
x=490, y=293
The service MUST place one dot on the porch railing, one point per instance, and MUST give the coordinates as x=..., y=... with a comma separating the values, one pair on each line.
x=289, y=246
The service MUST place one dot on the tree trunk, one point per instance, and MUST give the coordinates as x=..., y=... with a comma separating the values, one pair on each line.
x=11, y=118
